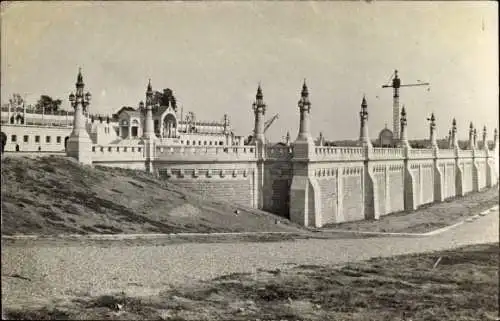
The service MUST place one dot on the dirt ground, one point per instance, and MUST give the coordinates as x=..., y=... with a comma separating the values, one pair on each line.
x=458, y=284
x=429, y=217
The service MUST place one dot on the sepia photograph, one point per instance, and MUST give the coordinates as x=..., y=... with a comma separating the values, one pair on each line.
x=250, y=160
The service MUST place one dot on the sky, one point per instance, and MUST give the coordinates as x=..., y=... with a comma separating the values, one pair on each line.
x=214, y=54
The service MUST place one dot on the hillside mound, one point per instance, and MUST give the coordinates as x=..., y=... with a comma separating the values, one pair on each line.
x=55, y=195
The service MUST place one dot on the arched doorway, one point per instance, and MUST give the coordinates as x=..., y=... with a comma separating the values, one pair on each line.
x=17, y=147
x=169, y=126
x=66, y=143
x=3, y=138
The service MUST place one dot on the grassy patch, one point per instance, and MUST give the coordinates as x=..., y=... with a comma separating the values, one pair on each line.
x=463, y=286
x=55, y=195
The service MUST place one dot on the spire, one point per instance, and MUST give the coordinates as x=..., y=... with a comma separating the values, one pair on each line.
x=305, y=91
x=79, y=79
x=150, y=88
x=259, y=95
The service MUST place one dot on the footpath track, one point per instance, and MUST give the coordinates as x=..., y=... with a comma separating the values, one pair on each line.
x=43, y=272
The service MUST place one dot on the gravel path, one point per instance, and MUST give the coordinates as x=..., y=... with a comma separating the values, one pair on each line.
x=60, y=271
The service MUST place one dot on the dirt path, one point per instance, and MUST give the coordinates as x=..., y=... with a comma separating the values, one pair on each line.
x=37, y=273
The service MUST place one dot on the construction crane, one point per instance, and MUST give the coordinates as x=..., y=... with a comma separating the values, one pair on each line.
x=396, y=84
x=267, y=124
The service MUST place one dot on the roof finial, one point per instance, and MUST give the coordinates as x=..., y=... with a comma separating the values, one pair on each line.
x=150, y=88
x=259, y=95
x=305, y=91
x=79, y=78
x=363, y=102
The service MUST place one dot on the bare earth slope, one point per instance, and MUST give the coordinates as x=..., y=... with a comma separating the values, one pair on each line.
x=55, y=195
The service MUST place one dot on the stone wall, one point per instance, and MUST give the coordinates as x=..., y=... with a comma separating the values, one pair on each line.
x=317, y=186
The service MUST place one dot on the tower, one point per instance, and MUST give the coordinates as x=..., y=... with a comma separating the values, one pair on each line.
x=259, y=108
x=305, y=109
x=471, y=136
x=148, y=122
x=364, y=138
x=79, y=142
x=454, y=134
x=432, y=131
x=403, y=141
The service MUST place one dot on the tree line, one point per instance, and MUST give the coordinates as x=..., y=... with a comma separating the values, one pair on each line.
x=45, y=103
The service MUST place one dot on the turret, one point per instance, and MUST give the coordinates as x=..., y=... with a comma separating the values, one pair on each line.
x=305, y=109
x=148, y=122
x=432, y=130
x=471, y=136
x=454, y=134
x=404, y=138
x=364, y=138
x=259, y=108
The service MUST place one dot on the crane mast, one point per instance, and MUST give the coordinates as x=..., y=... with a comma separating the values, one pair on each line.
x=396, y=84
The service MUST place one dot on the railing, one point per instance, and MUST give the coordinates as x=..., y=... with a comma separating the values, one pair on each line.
x=421, y=153
x=171, y=153
x=117, y=153
x=465, y=153
x=446, y=153
x=339, y=153
x=480, y=153
x=387, y=153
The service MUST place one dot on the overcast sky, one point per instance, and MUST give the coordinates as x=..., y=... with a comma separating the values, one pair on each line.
x=213, y=54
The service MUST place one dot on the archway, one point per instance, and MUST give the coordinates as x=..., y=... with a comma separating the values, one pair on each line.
x=66, y=143
x=17, y=147
x=169, y=126
x=3, y=138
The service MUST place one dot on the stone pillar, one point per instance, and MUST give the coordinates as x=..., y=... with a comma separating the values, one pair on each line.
x=259, y=140
x=287, y=139
x=304, y=191
x=485, y=141
x=471, y=136
x=432, y=132
x=149, y=136
x=454, y=137
x=370, y=186
x=8, y=112
x=364, y=137
x=403, y=141
x=409, y=181
x=458, y=169
x=474, y=145
x=79, y=142
x=438, y=186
